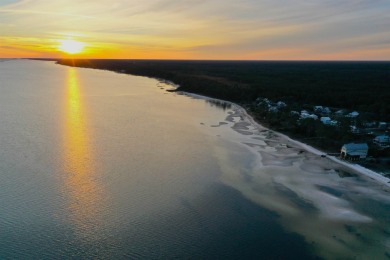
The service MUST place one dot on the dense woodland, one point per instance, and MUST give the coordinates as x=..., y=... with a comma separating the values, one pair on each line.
x=354, y=86
x=360, y=86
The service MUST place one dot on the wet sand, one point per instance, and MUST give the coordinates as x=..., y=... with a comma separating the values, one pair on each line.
x=275, y=139
x=340, y=208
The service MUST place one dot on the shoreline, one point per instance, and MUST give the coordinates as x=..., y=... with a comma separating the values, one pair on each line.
x=202, y=162
x=354, y=167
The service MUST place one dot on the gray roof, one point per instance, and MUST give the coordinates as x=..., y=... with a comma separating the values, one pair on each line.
x=354, y=146
x=382, y=138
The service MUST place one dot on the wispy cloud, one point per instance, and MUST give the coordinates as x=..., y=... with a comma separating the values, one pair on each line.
x=199, y=28
x=15, y=11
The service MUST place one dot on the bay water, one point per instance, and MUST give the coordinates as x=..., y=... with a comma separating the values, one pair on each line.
x=96, y=164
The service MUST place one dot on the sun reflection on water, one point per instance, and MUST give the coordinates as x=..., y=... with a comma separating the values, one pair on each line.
x=82, y=190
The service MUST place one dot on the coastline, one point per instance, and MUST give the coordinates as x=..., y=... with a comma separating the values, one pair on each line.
x=176, y=88
x=354, y=167
x=222, y=176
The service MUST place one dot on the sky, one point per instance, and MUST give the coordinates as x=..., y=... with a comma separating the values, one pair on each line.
x=198, y=29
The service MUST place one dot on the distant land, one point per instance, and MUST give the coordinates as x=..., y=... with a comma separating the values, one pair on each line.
x=360, y=87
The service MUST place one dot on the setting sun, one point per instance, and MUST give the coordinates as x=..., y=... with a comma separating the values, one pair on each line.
x=71, y=46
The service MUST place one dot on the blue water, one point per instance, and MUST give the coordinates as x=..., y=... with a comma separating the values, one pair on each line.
x=95, y=164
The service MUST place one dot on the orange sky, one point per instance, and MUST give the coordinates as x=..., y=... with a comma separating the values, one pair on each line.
x=198, y=29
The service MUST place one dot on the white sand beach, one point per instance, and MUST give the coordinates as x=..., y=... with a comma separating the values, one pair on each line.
x=309, y=191
x=247, y=120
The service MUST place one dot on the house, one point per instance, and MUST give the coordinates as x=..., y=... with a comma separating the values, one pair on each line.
x=382, y=141
x=305, y=114
x=354, y=129
x=281, y=104
x=353, y=114
x=326, y=110
x=340, y=112
x=371, y=124
x=312, y=116
x=294, y=113
x=326, y=120
x=354, y=151
x=322, y=110
x=263, y=101
x=382, y=125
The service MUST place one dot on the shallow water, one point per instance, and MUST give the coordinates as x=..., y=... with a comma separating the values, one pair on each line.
x=96, y=164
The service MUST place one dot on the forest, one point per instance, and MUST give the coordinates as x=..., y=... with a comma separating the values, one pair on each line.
x=360, y=86
x=341, y=85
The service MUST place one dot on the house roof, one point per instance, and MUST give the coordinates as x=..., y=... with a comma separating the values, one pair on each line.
x=354, y=146
x=353, y=114
x=382, y=138
x=355, y=153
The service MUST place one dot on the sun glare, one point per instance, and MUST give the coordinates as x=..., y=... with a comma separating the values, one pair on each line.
x=71, y=46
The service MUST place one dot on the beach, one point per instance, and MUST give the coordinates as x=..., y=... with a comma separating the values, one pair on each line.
x=283, y=139
x=309, y=191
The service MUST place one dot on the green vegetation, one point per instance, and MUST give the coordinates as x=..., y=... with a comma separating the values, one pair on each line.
x=361, y=86
x=355, y=86
x=328, y=138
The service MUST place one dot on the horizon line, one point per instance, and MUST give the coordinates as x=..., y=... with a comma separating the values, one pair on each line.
x=156, y=59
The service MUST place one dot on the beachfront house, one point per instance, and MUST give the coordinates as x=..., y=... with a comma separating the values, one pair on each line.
x=383, y=141
x=305, y=114
x=260, y=101
x=353, y=114
x=294, y=113
x=322, y=110
x=354, y=151
x=382, y=125
x=354, y=129
x=371, y=124
x=281, y=104
x=326, y=120
x=340, y=112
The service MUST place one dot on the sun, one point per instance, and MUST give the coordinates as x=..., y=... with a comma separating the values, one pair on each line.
x=71, y=46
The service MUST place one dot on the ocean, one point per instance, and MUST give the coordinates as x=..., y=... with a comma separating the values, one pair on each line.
x=102, y=165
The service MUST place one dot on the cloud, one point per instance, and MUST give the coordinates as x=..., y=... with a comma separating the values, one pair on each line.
x=228, y=27
x=15, y=11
